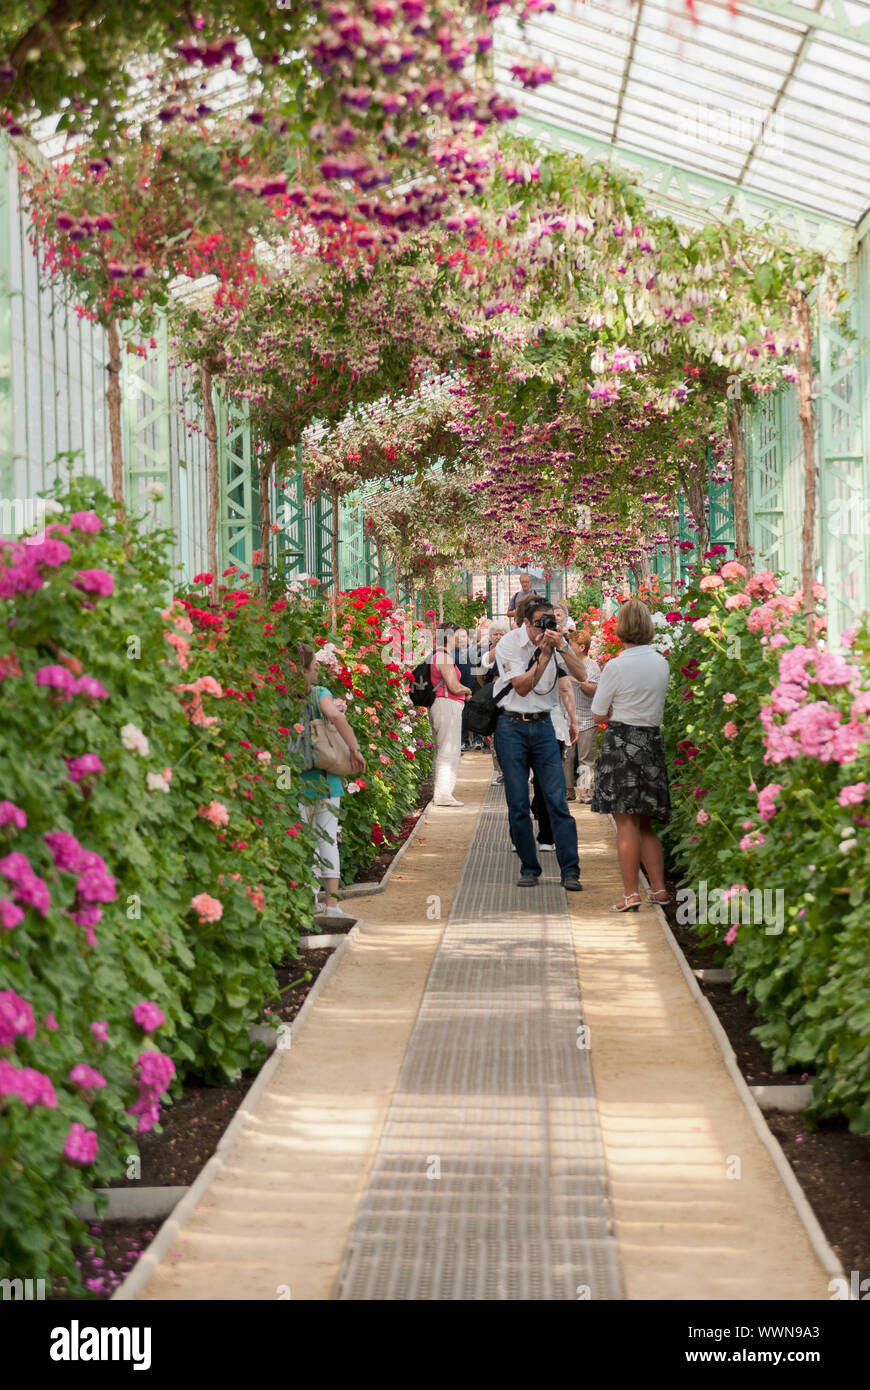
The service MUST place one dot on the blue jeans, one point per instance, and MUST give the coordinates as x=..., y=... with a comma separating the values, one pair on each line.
x=532, y=746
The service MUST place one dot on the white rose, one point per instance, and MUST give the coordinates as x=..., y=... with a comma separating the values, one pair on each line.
x=134, y=740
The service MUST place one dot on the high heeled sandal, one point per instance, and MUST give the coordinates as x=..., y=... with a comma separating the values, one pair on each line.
x=657, y=897
x=627, y=904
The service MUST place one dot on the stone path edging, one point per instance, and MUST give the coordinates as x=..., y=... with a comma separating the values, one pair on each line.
x=162, y=1242
x=361, y=890
x=132, y=1203
x=807, y=1216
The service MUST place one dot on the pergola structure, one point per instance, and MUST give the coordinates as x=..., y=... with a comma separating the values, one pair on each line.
x=758, y=111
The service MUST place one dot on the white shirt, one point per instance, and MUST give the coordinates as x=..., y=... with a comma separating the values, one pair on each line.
x=635, y=683
x=512, y=656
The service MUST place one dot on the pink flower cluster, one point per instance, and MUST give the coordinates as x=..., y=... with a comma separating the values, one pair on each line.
x=853, y=795
x=154, y=1071
x=20, y=564
x=88, y=1079
x=95, y=884
x=86, y=765
x=207, y=909
x=814, y=728
x=762, y=585
x=67, y=685
x=148, y=1016
x=81, y=1144
x=98, y=582
x=16, y=1018
x=767, y=807
x=31, y=1086
x=10, y=814
x=86, y=521
x=28, y=887
x=215, y=812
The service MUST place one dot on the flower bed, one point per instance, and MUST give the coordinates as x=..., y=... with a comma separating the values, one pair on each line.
x=154, y=861
x=770, y=744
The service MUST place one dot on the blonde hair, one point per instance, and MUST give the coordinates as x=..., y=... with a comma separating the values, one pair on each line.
x=634, y=624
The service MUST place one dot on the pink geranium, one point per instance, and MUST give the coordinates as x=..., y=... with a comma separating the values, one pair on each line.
x=86, y=765
x=767, y=808
x=207, y=909
x=711, y=581
x=98, y=582
x=215, y=812
x=86, y=1078
x=852, y=795
x=762, y=584
x=10, y=814
x=732, y=569
x=81, y=1144
x=730, y=730
x=86, y=521
x=729, y=698
x=148, y=1016
x=738, y=601
x=100, y=1030
x=31, y=1086
x=16, y=1018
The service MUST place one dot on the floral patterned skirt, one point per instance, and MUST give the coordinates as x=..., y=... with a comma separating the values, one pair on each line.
x=631, y=776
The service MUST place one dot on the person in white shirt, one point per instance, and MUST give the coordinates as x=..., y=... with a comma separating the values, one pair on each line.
x=631, y=779
x=529, y=672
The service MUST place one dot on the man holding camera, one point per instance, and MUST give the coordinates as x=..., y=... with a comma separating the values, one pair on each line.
x=531, y=660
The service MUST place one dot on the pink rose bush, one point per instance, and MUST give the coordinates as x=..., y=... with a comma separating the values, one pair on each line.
x=785, y=789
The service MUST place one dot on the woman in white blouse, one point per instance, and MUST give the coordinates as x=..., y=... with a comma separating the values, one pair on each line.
x=631, y=780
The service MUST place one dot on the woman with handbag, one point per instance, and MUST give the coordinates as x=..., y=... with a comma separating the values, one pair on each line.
x=445, y=714
x=335, y=753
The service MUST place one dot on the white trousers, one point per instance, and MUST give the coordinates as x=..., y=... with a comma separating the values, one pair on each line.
x=446, y=719
x=323, y=815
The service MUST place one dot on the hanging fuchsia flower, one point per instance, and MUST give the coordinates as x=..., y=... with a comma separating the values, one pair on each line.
x=148, y=1016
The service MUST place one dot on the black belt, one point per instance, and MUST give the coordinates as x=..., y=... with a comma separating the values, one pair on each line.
x=526, y=718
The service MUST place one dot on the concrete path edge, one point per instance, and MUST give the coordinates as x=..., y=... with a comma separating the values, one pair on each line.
x=360, y=890
x=807, y=1216
x=166, y=1236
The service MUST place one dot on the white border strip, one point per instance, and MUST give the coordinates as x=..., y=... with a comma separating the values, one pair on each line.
x=361, y=890
x=160, y=1246
x=817, y=1238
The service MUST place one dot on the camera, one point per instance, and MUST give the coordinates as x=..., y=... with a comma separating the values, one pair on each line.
x=546, y=623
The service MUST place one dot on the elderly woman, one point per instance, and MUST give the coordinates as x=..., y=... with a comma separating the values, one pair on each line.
x=564, y=622
x=631, y=781
x=580, y=760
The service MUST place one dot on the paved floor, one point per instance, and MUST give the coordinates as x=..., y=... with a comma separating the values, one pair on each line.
x=490, y=1179
x=338, y=1134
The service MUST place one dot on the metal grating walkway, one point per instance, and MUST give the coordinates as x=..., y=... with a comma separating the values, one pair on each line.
x=490, y=1181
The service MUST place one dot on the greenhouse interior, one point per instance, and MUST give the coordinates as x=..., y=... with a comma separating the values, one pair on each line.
x=453, y=419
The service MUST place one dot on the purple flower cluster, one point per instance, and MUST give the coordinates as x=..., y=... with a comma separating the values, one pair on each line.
x=67, y=685
x=28, y=887
x=154, y=1073
x=16, y=1018
x=10, y=814
x=86, y=765
x=98, y=582
x=81, y=1144
x=88, y=1079
x=31, y=1086
x=20, y=564
x=148, y=1016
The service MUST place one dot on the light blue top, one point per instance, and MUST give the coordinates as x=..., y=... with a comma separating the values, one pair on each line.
x=322, y=783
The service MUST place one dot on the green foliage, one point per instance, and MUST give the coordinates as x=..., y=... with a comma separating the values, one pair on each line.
x=755, y=810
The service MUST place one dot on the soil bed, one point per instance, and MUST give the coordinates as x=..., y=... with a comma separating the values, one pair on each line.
x=831, y=1164
x=191, y=1130
x=375, y=871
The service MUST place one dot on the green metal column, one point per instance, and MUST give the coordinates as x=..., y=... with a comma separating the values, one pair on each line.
x=323, y=538
x=238, y=504
x=290, y=515
x=145, y=409
x=843, y=400
x=7, y=459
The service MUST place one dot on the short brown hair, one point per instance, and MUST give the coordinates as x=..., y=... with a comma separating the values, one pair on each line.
x=633, y=623
x=306, y=654
x=580, y=639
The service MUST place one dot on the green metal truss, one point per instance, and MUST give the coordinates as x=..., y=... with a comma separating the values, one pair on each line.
x=684, y=192
x=7, y=459
x=145, y=428
x=834, y=20
x=238, y=504
x=290, y=516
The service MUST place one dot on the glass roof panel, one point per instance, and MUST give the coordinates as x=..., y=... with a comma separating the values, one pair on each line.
x=774, y=100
